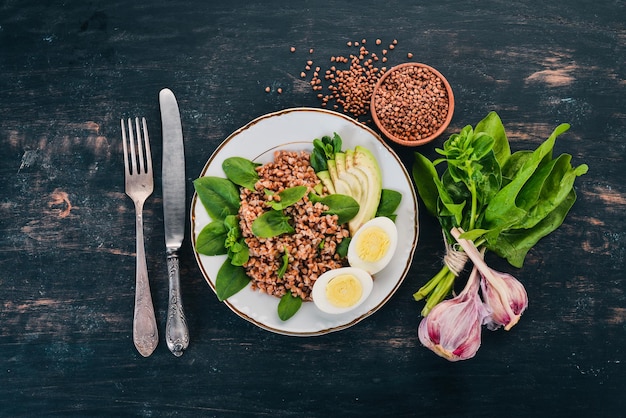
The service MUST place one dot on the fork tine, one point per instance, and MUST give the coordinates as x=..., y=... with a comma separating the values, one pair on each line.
x=125, y=144
x=146, y=140
x=133, y=153
x=139, y=147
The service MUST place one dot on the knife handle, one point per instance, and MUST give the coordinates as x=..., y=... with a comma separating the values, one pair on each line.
x=176, y=333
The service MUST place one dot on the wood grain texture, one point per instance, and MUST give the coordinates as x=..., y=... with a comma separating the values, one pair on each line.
x=69, y=71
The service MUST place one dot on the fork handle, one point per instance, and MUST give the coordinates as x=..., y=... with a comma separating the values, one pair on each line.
x=177, y=334
x=145, y=334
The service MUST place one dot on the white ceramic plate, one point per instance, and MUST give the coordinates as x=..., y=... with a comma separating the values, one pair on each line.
x=295, y=129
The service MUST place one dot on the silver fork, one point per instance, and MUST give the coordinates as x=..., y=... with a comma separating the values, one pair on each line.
x=139, y=185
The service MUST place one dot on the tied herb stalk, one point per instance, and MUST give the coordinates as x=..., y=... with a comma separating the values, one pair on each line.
x=504, y=202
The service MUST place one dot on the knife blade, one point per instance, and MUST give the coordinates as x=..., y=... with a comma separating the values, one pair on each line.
x=174, y=198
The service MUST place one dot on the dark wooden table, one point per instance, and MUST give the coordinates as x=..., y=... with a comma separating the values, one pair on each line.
x=70, y=70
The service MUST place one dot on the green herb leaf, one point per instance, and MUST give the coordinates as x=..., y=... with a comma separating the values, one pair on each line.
x=513, y=245
x=514, y=164
x=211, y=239
x=547, y=188
x=424, y=175
x=288, y=197
x=492, y=126
x=344, y=206
x=219, y=196
x=337, y=143
x=389, y=202
x=288, y=306
x=241, y=171
x=503, y=211
x=285, y=264
x=342, y=248
x=239, y=254
x=324, y=149
x=232, y=222
x=230, y=280
x=318, y=156
x=271, y=224
x=449, y=206
x=234, y=233
x=235, y=244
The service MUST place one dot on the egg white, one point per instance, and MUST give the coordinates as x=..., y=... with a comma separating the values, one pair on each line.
x=319, y=289
x=372, y=267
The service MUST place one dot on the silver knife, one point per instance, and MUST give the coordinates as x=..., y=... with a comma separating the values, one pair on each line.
x=174, y=198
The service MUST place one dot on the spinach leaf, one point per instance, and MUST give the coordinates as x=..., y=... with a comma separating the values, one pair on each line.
x=271, y=224
x=241, y=171
x=448, y=206
x=239, y=253
x=492, y=126
x=549, y=187
x=337, y=143
x=471, y=161
x=323, y=150
x=235, y=244
x=285, y=264
x=211, y=239
x=389, y=202
x=424, y=175
x=288, y=306
x=342, y=247
x=344, y=206
x=230, y=280
x=219, y=196
x=488, y=180
x=503, y=212
x=318, y=157
x=232, y=222
x=514, y=164
x=288, y=197
x=514, y=244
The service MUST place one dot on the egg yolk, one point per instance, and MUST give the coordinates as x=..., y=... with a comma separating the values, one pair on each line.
x=344, y=291
x=373, y=244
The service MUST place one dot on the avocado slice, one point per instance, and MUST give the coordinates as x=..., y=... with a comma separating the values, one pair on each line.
x=324, y=176
x=365, y=161
x=349, y=158
x=340, y=163
x=362, y=179
x=332, y=170
x=356, y=188
x=342, y=187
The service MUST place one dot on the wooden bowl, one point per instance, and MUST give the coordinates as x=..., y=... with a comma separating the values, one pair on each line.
x=412, y=104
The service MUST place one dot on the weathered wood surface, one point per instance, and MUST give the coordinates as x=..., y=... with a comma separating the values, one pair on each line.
x=69, y=71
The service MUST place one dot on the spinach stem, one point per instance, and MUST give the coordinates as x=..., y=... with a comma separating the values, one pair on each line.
x=425, y=290
x=444, y=286
x=474, y=207
x=436, y=289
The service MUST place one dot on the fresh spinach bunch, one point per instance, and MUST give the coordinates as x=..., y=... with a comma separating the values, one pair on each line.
x=504, y=202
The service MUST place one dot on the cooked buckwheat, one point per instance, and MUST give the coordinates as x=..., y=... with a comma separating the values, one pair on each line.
x=311, y=248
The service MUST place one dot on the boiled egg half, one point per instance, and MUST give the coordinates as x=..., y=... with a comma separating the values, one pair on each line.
x=341, y=290
x=373, y=245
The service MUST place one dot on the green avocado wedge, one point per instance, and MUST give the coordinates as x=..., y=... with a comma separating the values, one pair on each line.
x=365, y=161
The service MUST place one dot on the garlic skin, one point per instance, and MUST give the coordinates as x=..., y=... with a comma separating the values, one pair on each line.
x=453, y=327
x=506, y=297
x=504, y=294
